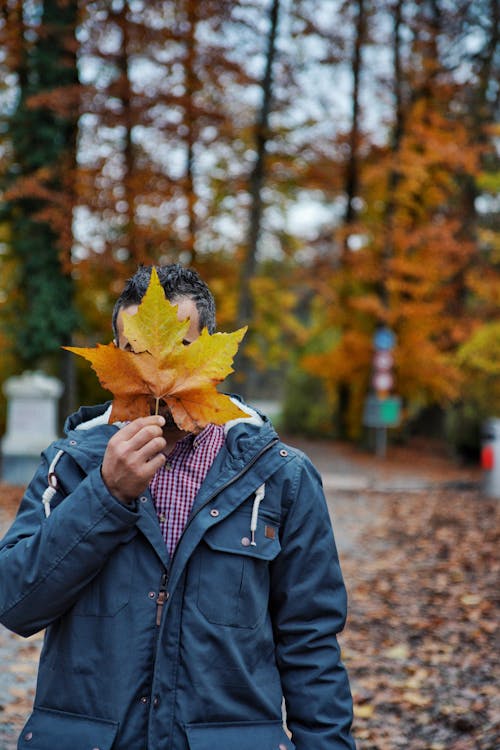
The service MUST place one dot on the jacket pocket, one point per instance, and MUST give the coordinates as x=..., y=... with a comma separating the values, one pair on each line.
x=248, y=735
x=47, y=729
x=233, y=582
x=109, y=590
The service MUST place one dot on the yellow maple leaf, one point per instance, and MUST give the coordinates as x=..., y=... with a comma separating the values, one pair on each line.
x=161, y=368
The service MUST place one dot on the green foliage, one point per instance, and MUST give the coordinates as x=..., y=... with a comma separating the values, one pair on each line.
x=479, y=361
x=462, y=429
x=45, y=317
x=307, y=408
x=490, y=182
x=38, y=205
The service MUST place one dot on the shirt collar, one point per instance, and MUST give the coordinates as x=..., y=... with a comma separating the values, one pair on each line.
x=200, y=438
x=206, y=433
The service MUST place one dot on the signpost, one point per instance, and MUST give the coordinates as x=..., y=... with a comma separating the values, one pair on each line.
x=382, y=412
x=384, y=339
x=381, y=409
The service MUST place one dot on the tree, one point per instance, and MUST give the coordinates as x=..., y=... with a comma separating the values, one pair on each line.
x=38, y=182
x=406, y=269
x=208, y=133
x=258, y=174
x=256, y=185
x=156, y=119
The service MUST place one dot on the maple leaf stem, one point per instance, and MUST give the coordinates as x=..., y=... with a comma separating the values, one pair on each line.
x=157, y=409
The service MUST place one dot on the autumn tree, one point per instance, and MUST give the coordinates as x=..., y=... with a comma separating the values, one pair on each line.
x=334, y=170
x=169, y=138
x=157, y=133
x=477, y=356
x=258, y=174
x=38, y=179
x=210, y=134
x=408, y=253
x=257, y=182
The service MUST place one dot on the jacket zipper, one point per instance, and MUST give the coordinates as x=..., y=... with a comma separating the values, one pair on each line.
x=162, y=592
x=161, y=598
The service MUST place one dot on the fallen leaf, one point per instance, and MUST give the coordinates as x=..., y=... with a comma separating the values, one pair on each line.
x=398, y=652
x=365, y=711
x=416, y=699
x=470, y=600
x=162, y=368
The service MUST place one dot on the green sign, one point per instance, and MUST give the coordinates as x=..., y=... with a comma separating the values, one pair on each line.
x=382, y=412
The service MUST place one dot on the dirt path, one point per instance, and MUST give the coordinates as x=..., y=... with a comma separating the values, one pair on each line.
x=18, y=656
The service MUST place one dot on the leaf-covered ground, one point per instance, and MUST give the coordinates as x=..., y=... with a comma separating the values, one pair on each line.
x=18, y=656
x=421, y=643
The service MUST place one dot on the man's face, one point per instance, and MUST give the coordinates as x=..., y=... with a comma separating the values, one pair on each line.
x=186, y=308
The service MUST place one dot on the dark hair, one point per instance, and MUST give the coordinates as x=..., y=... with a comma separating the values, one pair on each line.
x=177, y=282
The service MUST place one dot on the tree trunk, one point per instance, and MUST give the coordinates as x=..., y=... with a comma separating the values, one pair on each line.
x=190, y=121
x=257, y=181
x=352, y=171
x=129, y=236
x=397, y=135
x=258, y=175
x=352, y=183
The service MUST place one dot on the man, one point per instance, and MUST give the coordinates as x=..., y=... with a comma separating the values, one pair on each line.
x=186, y=583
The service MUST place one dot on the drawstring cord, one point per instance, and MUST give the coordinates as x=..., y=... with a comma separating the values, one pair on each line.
x=52, y=488
x=259, y=496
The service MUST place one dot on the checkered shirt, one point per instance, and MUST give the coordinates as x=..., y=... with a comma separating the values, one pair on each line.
x=175, y=486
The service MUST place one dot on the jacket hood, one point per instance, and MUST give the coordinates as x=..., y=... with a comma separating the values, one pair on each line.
x=87, y=417
x=244, y=436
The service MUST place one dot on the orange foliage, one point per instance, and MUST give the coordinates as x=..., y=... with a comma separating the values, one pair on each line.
x=413, y=267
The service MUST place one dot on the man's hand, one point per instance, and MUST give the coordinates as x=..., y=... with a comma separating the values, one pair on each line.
x=132, y=457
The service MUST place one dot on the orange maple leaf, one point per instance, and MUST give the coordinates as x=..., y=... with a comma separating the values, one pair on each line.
x=161, y=367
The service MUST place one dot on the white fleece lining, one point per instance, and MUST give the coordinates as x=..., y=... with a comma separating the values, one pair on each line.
x=253, y=418
x=96, y=421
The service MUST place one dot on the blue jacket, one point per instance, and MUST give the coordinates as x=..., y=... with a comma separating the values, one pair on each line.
x=189, y=653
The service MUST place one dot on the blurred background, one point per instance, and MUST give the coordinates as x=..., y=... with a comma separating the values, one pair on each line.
x=330, y=168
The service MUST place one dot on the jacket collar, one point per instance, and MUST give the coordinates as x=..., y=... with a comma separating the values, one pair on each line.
x=242, y=435
x=87, y=416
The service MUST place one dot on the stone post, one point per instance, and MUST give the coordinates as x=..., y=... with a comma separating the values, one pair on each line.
x=32, y=400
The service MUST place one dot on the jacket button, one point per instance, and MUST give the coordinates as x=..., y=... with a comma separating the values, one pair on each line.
x=28, y=736
x=156, y=701
x=283, y=453
x=152, y=595
x=143, y=499
x=281, y=746
x=143, y=699
x=71, y=442
x=245, y=541
x=214, y=512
